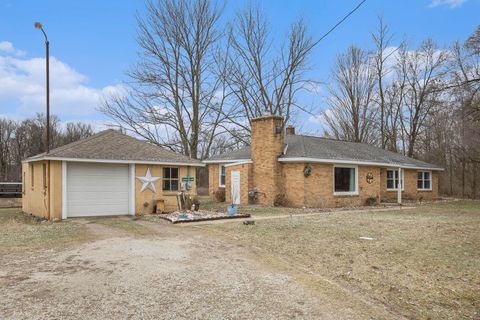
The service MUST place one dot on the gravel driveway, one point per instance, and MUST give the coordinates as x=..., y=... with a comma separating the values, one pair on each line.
x=177, y=273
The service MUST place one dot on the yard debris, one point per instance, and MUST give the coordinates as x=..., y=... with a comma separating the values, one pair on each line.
x=200, y=215
x=249, y=222
x=367, y=238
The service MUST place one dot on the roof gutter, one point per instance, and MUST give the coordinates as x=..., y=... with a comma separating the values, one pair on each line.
x=366, y=163
x=238, y=163
x=226, y=161
x=173, y=163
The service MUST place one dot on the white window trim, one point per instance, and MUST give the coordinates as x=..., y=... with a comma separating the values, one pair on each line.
x=220, y=165
x=402, y=180
x=345, y=193
x=431, y=180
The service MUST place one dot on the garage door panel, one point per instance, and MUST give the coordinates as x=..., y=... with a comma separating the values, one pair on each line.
x=97, y=189
x=102, y=210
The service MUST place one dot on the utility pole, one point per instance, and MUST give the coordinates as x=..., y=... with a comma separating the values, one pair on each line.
x=39, y=26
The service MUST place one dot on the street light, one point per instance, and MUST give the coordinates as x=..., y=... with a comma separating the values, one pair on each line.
x=39, y=26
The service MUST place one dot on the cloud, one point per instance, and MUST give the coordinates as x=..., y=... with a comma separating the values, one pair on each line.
x=22, y=87
x=452, y=4
x=8, y=48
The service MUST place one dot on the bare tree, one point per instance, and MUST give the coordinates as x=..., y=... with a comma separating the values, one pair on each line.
x=424, y=70
x=388, y=88
x=76, y=131
x=172, y=99
x=19, y=140
x=351, y=114
x=265, y=80
x=473, y=42
x=7, y=131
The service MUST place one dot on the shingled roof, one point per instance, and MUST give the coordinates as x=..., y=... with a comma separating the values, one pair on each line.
x=302, y=148
x=114, y=146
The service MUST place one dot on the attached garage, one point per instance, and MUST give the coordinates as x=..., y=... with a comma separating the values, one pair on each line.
x=97, y=189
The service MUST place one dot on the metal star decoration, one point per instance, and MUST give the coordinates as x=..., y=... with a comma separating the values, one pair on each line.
x=148, y=181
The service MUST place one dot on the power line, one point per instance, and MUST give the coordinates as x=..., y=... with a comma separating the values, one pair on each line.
x=338, y=23
x=322, y=37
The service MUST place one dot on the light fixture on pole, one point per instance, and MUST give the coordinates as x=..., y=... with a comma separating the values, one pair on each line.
x=39, y=26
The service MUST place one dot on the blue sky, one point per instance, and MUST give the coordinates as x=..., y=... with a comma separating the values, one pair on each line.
x=93, y=44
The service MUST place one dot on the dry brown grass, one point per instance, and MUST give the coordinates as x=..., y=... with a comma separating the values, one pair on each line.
x=423, y=263
x=10, y=202
x=22, y=233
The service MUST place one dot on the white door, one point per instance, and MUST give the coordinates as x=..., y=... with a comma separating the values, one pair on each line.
x=97, y=189
x=235, y=187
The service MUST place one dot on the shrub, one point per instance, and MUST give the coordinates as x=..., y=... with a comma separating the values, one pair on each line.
x=220, y=195
x=280, y=200
x=371, y=201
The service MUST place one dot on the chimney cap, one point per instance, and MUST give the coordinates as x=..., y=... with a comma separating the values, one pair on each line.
x=264, y=117
x=290, y=129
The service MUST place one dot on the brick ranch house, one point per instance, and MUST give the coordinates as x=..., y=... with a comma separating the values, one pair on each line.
x=281, y=167
x=109, y=173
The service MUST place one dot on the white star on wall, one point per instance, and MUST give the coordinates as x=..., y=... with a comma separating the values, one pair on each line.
x=148, y=181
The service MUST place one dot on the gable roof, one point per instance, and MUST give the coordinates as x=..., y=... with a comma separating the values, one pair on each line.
x=114, y=146
x=302, y=148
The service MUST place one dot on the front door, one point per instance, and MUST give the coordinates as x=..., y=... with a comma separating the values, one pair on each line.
x=235, y=187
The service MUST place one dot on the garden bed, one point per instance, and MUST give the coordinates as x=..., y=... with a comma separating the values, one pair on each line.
x=201, y=215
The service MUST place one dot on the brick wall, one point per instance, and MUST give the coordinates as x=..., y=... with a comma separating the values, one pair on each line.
x=148, y=196
x=316, y=190
x=245, y=182
x=410, y=190
x=213, y=179
x=267, y=146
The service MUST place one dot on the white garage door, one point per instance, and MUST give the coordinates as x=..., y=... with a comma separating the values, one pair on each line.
x=95, y=189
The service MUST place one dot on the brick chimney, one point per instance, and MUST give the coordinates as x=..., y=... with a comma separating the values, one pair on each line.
x=267, y=146
x=290, y=130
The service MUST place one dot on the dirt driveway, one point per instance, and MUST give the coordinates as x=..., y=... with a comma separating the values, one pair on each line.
x=172, y=273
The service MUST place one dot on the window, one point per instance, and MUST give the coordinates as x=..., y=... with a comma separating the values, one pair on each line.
x=32, y=175
x=221, y=176
x=424, y=180
x=345, y=180
x=170, y=179
x=392, y=179
x=23, y=182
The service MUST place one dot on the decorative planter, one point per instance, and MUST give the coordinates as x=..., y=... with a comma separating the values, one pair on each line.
x=232, y=210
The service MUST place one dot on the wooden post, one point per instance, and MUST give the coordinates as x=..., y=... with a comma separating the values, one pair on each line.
x=399, y=186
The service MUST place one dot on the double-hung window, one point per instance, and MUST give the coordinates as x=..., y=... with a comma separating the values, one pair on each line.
x=424, y=180
x=393, y=179
x=221, y=178
x=170, y=179
x=345, y=180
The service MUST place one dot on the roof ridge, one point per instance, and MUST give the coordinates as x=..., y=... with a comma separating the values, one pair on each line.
x=149, y=143
x=74, y=143
x=331, y=139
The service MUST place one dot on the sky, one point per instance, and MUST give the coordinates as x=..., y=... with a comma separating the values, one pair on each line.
x=92, y=45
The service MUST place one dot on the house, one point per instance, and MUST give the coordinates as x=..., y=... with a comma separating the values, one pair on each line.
x=109, y=173
x=281, y=167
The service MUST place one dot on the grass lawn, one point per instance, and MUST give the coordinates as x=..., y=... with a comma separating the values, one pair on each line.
x=125, y=224
x=21, y=233
x=206, y=203
x=423, y=262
